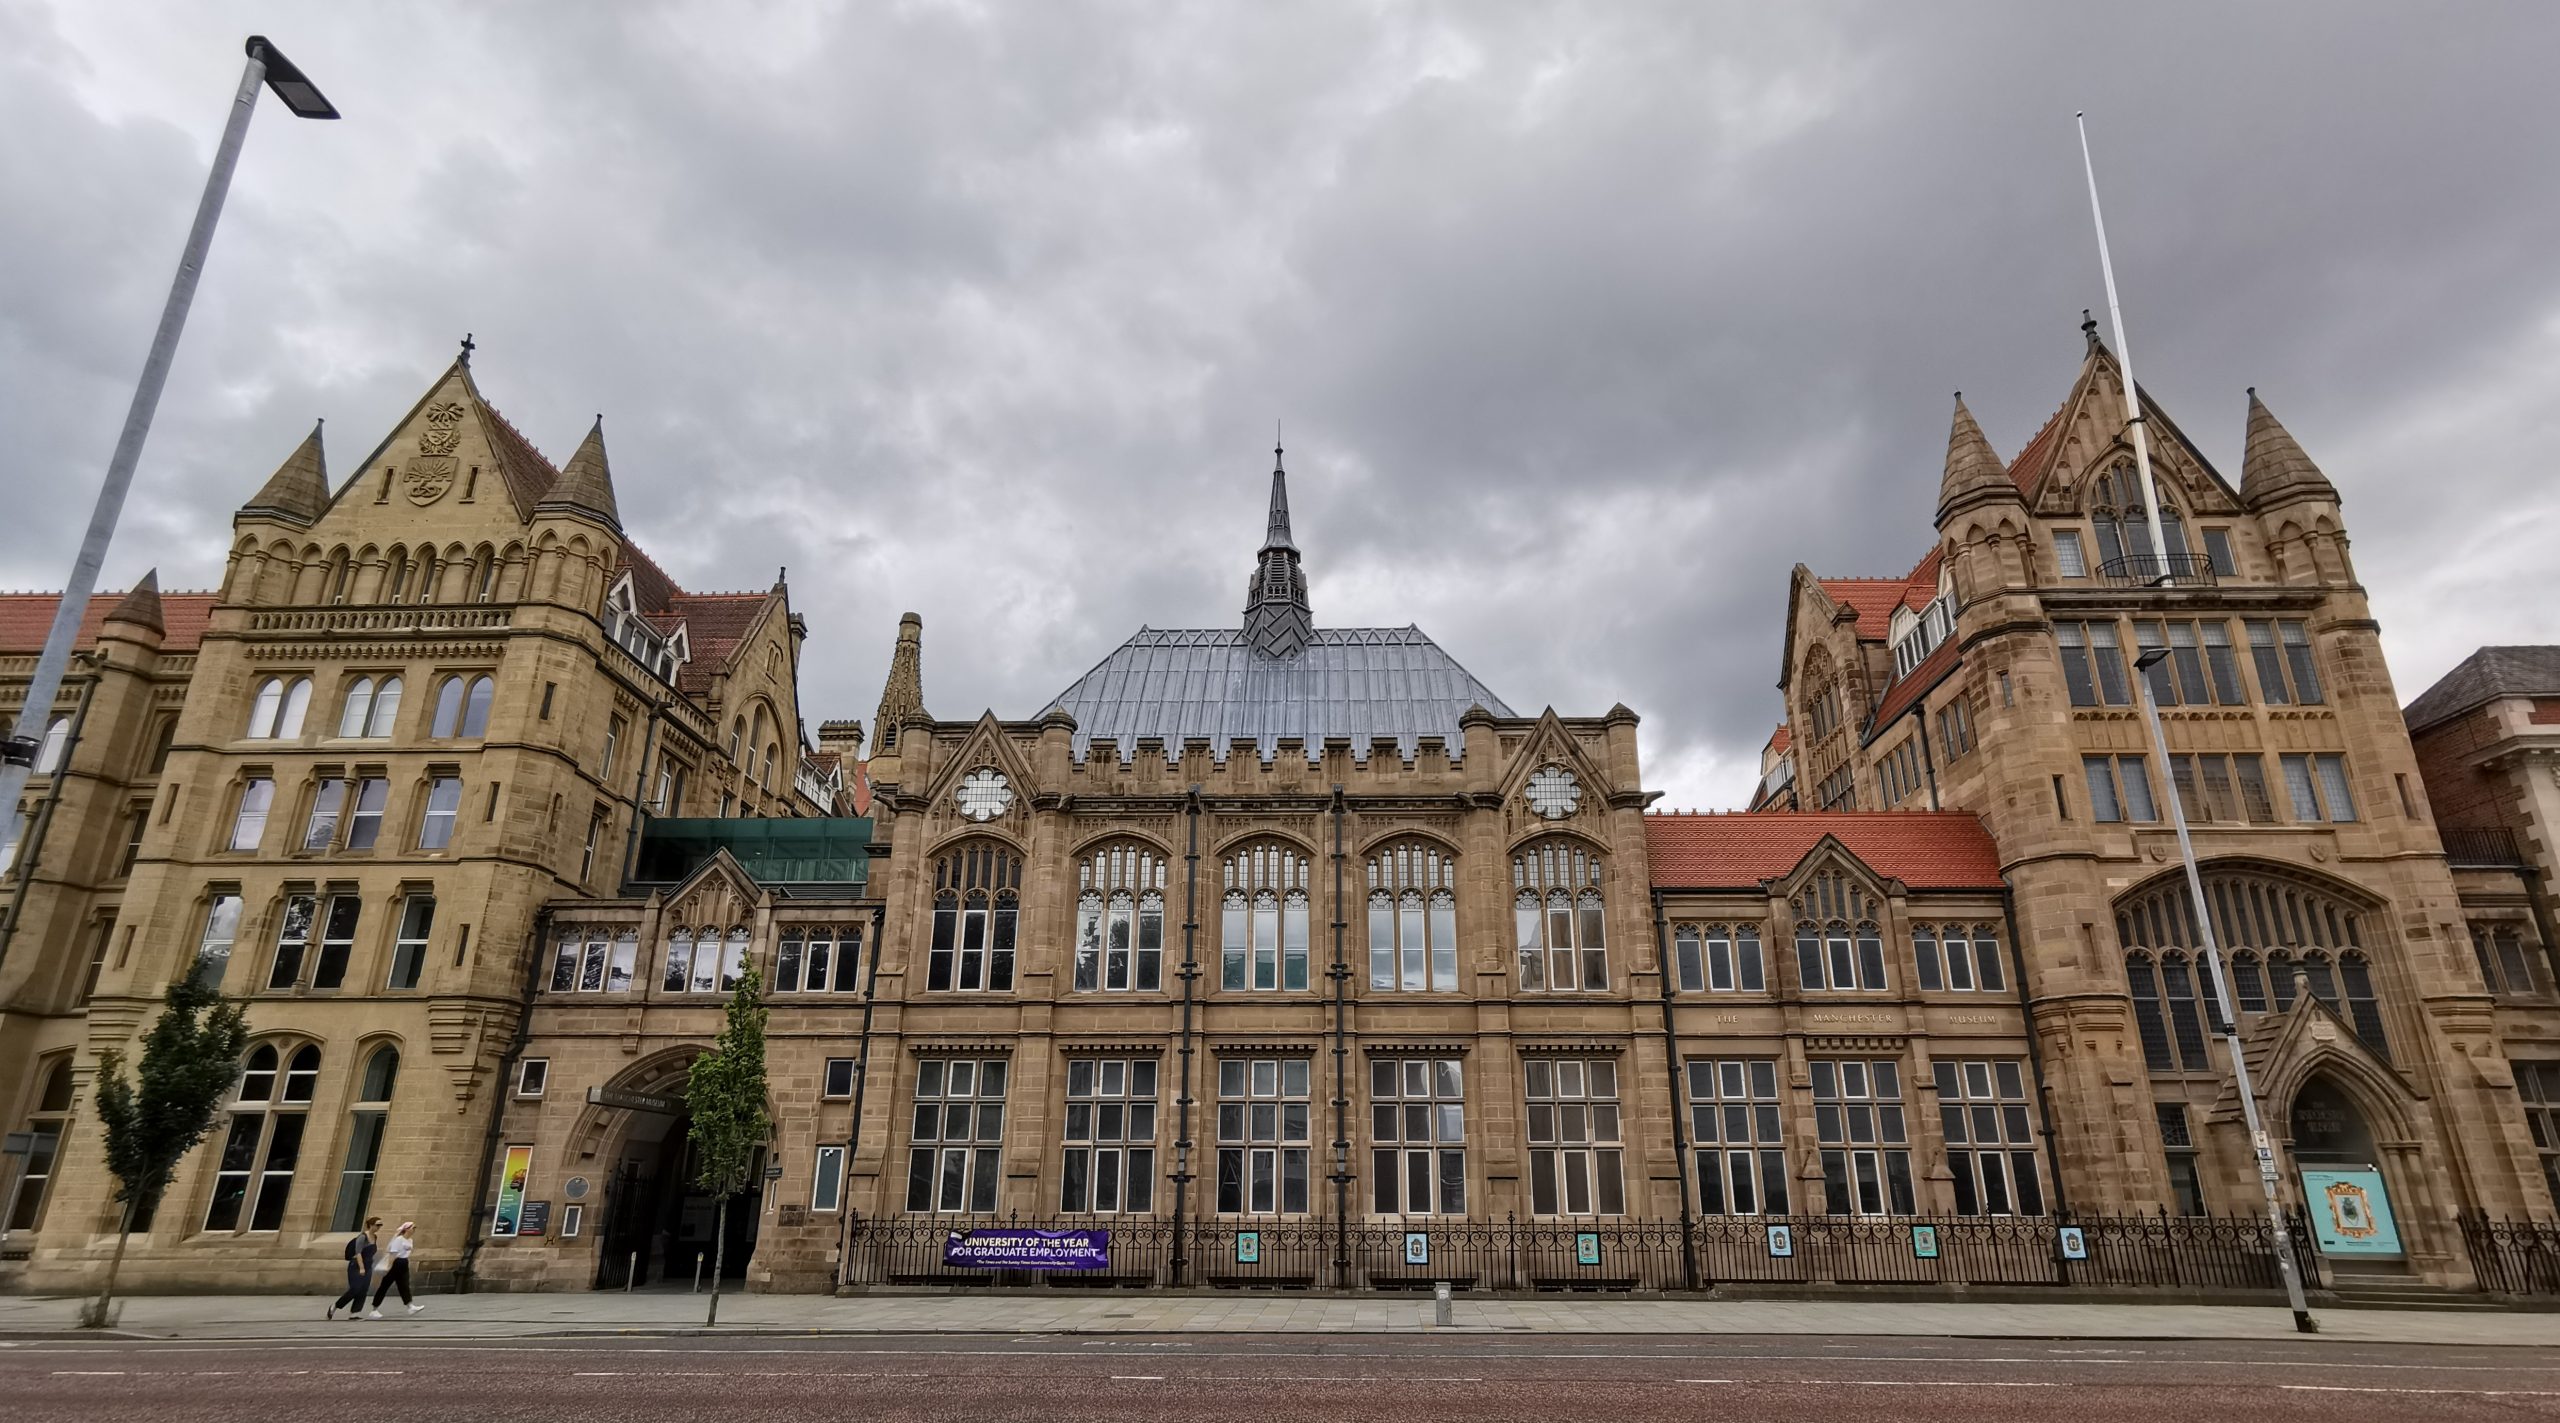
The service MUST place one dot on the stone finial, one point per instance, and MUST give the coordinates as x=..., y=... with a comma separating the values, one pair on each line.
x=299, y=489
x=1974, y=471
x=1278, y=622
x=903, y=695
x=2273, y=468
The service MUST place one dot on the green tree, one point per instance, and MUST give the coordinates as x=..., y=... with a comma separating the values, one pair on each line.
x=189, y=1061
x=724, y=1093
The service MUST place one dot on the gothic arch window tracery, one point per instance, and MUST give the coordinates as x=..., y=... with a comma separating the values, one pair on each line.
x=1413, y=919
x=2121, y=521
x=1559, y=918
x=977, y=895
x=1120, y=920
x=1838, y=944
x=1264, y=919
x=2272, y=928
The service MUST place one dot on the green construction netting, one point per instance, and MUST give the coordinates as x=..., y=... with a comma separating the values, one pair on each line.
x=773, y=851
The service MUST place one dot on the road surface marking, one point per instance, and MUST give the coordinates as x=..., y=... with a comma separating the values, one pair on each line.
x=88, y=1373
x=2464, y=1392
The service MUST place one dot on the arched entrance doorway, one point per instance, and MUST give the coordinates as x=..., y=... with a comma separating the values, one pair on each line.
x=659, y=1227
x=2341, y=1170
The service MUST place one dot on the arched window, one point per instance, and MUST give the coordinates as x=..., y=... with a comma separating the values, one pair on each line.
x=1557, y=913
x=1263, y=921
x=278, y=709
x=1120, y=920
x=462, y=707
x=364, y=1137
x=818, y=959
x=2274, y=928
x=44, y=1130
x=2172, y=1006
x=2123, y=526
x=1837, y=944
x=359, y=707
x=487, y=580
x=395, y=575
x=386, y=708
x=1413, y=919
x=1719, y=958
x=1957, y=958
x=977, y=891
x=737, y=734
x=253, y=1179
x=57, y=737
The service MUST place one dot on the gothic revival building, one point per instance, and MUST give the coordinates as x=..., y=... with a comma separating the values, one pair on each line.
x=2000, y=677
x=429, y=701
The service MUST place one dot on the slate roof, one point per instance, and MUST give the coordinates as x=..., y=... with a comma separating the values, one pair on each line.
x=1924, y=849
x=1362, y=683
x=2486, y=676
x=26, y=617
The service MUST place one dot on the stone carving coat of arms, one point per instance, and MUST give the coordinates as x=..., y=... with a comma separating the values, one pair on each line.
x=430, y=472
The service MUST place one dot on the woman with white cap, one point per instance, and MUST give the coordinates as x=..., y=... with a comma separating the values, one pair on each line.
x=397, y=1273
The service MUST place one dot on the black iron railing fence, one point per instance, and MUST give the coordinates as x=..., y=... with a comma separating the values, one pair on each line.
x=2513, y=1257
x=2120, y=1252
x=2147, y=570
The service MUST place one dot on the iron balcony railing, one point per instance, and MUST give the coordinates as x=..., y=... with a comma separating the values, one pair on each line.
x=2482, y=847
x=2151, y=570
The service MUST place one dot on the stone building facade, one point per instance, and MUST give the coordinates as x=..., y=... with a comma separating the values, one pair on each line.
x=1999, y=677
x=427, y=702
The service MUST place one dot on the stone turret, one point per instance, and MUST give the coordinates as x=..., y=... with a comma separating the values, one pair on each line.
x=1974, y=473
x=586, y=484
x=902, y=697
x=298, y=492
x=2273, y=469
x=1277, y=620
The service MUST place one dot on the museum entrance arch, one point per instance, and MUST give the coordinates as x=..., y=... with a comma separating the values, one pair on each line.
x=2340, y=1166
x=660, y=1228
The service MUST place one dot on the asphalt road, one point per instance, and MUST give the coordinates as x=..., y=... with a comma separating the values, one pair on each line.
x=345, y=1376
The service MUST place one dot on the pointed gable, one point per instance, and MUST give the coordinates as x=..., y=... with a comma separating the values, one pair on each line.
x=428, y=451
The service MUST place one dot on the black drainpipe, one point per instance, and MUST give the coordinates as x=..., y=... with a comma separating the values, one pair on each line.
x=861, y=1080
x=1679, y=1127
x=465, y=1273
x=1340, y=973
x=2035, y=1053
x=1182, y=1143
x=31, y=846
x=1928, y=762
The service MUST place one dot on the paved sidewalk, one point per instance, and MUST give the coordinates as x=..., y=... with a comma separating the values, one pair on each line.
x=551, y=1315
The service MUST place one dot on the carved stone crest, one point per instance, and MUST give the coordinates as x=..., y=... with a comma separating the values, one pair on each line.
x=428, y=477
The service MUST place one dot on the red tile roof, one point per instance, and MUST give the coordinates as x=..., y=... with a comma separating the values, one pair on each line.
x=1923, y=849
x=1780, y=739
x=26, y=617
x=714, y=625
x=1872, y=599
x=2031, y=460
x=1909, y=688
x=528, y=474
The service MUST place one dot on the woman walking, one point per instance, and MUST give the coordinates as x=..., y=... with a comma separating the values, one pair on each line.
x=360, y=1249
x=398, y=1272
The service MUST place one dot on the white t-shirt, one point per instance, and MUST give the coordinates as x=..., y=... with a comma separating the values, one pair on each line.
x=400, y=1247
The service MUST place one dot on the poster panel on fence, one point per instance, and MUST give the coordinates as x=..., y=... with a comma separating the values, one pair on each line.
x=2350, y=1211
x=511, y=1181
x=1417, y=1248
x=1586, y=1247
x=1248, y=1247
x=1924, y=1242
x=1782, y=1242
x=2075, y=1243
x=1011, y=1248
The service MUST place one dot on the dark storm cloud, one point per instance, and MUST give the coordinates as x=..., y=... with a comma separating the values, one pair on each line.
x=1587, y=322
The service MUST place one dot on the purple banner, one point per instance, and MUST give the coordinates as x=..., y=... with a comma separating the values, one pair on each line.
x=1009, y=1249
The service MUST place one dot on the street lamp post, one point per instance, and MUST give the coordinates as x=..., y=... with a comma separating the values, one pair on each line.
x=2230, y=1024
x=267, y=66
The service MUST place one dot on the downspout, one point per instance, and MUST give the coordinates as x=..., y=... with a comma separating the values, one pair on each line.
x=2035, y=1053
x=32, y=847
x=1182, y=1143
x=1928, y=763
x=861, y=1081
x=1341, y=975
x=640, y=787
x=1671, y=1059
x=464, y=1274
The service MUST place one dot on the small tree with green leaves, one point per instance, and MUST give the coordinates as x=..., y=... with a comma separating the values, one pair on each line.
x=189, y=1061
x=724, y=1093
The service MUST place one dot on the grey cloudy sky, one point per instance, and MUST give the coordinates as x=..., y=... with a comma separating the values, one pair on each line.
x=1587, y=322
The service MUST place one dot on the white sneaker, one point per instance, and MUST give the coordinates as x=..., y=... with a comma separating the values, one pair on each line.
x=413, y=1309
x=377, y=1314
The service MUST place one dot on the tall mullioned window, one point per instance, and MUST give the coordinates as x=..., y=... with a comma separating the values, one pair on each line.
x=1120, y=921
x=1718, y=958
x=1413, y=920
x=1865, y=1144
x=956, y=1142
x=1264, y=1135
x=1109, y=1162
x=1418, y=1135
x=1983, y=1115
x=1264, y=920
x=262, y=1146
x=2276, y=930
x=1957, y=958
x=1734, y=1129
x=977, y=893
x=1575, y=1159
x=364, y=1137
x=818, y=959
x=2538, y=1084
x=1838, y=946
x=1559, y=918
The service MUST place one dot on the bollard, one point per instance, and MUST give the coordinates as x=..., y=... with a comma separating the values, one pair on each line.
x=631, y=1272
x=1443, y=1313
x=697, y=1272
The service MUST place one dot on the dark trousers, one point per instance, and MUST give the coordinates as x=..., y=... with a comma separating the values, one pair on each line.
x=354, y=1297
x=397, y=1276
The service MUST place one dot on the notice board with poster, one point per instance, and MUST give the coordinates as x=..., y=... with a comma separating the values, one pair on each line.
x=535, y=1219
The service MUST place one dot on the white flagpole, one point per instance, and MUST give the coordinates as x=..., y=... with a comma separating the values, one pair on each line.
x=2124, y=359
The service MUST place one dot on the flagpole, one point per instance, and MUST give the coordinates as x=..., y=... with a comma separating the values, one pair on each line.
x=2124, y=360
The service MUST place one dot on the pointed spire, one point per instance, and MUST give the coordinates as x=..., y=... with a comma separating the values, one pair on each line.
x=141, y=606
x=586, y=484
x=1277, y=620
x=1974, y=470
x=2273, y=469
x=903, y=697
x=299, y=489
